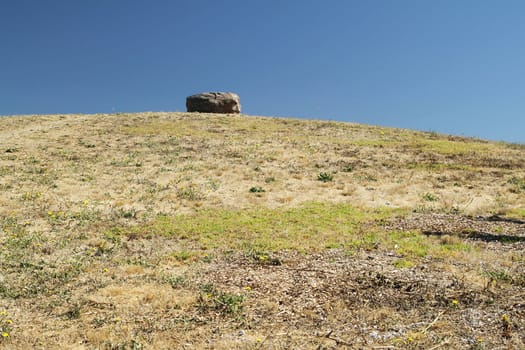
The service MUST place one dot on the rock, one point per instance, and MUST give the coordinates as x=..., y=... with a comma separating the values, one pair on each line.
x=214, y=102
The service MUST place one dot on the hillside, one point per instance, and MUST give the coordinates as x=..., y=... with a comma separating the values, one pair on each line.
x=186, y=230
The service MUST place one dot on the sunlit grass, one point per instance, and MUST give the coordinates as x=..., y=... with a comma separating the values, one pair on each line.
x=448, y=147
x=311, y=227
x=212, y=126
x=518, y=212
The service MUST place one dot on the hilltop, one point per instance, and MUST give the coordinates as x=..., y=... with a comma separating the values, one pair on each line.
x=187, y=230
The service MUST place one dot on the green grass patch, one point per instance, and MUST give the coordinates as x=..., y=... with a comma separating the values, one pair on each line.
x=211, y=126
x=519, y=213
x=444, y=248
x=409, y=243
x=403, y=263
x=365, y=240
x=412, y=245
x=312, y=227
x=185, y=256
x=448, y=147
x=309, y=228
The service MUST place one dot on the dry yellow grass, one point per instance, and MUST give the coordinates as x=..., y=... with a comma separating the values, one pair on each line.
x=111, y=228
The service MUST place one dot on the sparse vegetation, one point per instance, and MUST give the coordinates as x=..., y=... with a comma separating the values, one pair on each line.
x=518, y=184
x=225, y=303
x=429, y=197
x=152, y=230
x=257, y=189
x=325, y=177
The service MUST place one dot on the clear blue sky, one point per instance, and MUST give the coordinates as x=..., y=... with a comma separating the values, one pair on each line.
x=452, y=66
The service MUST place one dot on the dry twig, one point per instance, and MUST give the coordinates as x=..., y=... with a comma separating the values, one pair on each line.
x=337, y=340
x=433, y=322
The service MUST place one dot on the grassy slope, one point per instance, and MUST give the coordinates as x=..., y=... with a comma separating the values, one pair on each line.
x=163, y=229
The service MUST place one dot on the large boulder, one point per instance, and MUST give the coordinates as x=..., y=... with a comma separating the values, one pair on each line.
x=214, y=102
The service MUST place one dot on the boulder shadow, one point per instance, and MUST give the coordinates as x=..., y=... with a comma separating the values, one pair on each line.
x=482, y=236
x=497, y=218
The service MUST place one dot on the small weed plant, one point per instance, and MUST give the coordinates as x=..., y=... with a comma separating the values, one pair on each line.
x=325, y=177
x=211, y=299
x=257, y=190
x=518, y=184
x=429, y=197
